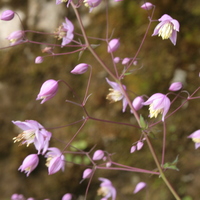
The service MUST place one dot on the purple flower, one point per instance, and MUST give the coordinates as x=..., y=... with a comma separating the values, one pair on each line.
x=87, y=173
x=65, y=32
x=7, y=15
x=175, y=86
x=98, y=155
x=147, y=6
x=116, y=94
x=55, y=160
x=139, y=186
x=113, y=45
x=195, y=138
x=33, y=132
x=18, y=197
x=133, y=149
x=139, y=145
x=159, y=103
x=67, y=196
x=91, y=3
x=138, y=103
x=61, y=1
x=125, y=61
x=167, y=28
x=29, y=164
x=39, y=60
x=80, y=68
x=16, y=37
x=106, y=189
x=116, y=60
x=48, y=90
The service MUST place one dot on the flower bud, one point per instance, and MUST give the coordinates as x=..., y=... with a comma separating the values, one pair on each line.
x=147, y=6
x=139, y=186
x=125, y=61
x=113, y=45
x=48, y=90
x=116, y=59
x=138, y=103
x=87, y=173
x=80, y=68
x=175, y=86
x=7, y=15
x=133, y=148
x=67, y=196
x=98, y=155
x=39, y=60
x=139, y=145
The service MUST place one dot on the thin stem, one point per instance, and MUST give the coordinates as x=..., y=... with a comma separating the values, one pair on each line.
x=164, y=143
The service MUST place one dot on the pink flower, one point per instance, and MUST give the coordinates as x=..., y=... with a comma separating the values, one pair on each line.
x=18, y=197
x=48, y=90
x=116, y=94
x=133, y=149
x=39, y=60
x=65, y=32
x=106, y=189
x=80, y=68
x=29, y=164
x=195, y=138
x=16, y=37
x=33, y=132
x=67, y=196
x=113, y=45
x=98, y=155
x=159, y=103
x=91, y=3
x=87, y=173
x=116, y=60
x=125, y=61
x=175, y=86
x=139, y=186
x=147, y=6
x=7, y=15
x=55, y=160
x=138, y=103
x=167, y=28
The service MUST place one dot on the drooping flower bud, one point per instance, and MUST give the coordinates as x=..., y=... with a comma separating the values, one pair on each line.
x=116, y=59
x=67, y=196
x=139, y=145
x=80, y=68
x=87, y=173
x=7, y=15
x=138, y=103
x=133, y=149
x=113, y=45
x=48, y=90
x=175, y=86
x=39, y=60
x=147, y=6
x=139, y=186
x=98, y=155
x=125, y=61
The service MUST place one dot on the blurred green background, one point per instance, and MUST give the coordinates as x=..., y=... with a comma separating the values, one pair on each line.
x=21, y=78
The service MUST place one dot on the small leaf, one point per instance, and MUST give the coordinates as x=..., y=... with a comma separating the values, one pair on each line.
x=143, y=123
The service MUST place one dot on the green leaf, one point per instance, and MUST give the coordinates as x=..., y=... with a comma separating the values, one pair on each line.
x=143, y=124
x=171, y=165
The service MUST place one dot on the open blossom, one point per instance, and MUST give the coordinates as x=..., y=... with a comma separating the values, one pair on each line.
x=159, y=104
x=195, y=136
x=33, y=132
x=167, y=28
x=48, y=90
x=29, y=164
x=65, y=32
x=139, y=186
x=106, y=189
x=55, y=160
x=91, y=3
x=116, y=94
x=16, y=37
x=7, y=15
